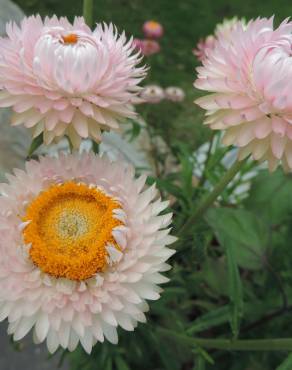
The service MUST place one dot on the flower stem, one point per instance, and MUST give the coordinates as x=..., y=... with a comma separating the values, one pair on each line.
x=278, y=344
x=210, y=198
x=88, y=12
x=203, y=178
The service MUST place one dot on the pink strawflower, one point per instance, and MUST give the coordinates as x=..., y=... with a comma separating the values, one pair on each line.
x=174, y=93
x=64, y=79
x=147, y=47
x=152, y=94
x=138, y=43
x=82, y=248
x=249, y=78
x=152, y=30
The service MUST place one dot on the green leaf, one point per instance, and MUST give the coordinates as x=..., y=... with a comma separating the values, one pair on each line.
x=200, y=363
x=235, y=291
x=168, y=357
x=214, y=274
x=186, y=175
x=134, y=131
x=271, y=196
x=204, y=355
x=240, y=233
x=287, y=364
x=35, y=144
x=171, y=188
x=109, y=364
x=213, y=318
x=244, y=231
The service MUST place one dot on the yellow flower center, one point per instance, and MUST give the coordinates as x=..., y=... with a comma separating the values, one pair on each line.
x=71, y=38
x=70, y=227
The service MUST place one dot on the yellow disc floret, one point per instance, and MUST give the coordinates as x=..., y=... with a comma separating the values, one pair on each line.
x=70, y=226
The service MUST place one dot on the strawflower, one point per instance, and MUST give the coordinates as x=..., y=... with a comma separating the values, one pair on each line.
x=82, y=248
x=153, y=30
x=174, y=93
x=248, y=78
x=64, y=79
x=152, y=94
x=147, y=47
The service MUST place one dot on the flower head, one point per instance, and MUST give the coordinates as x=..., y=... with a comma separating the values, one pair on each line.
x=152, y=30
x=152, y=94
x=248, y=77
x=82, y=247
x=138, y=43
x=147, y=47
x=64, y=79
x=174, y=93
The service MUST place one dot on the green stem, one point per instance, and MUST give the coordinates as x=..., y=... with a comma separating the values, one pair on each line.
x=88, y=12
x=210, y=198
x=282, y=344
x=204, y=175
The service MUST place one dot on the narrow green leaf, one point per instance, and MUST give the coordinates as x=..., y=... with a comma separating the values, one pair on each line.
x=205, y=355
x=171, y=188
x=237, y=230
x=287, y=364
x=169, y=362
x=35, y=144
x=235, y=292
x=109, y=364
x=200, y=363
x=186, y=175
x=213, y=318
x=169, y=358
x=134, y=131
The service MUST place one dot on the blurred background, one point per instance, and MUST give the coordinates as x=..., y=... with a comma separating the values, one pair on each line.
x=184, y=22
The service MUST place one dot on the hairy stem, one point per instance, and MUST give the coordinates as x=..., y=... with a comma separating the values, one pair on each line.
x=278, y=344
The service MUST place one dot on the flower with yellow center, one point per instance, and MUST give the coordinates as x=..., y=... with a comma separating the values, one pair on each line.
x=64, y=79
x=82, y=248
x=70, y=229
x=152, y=29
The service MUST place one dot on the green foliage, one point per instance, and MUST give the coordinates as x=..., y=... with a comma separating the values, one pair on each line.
x=231, y=278
x=235, y=284
x=243, y=232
